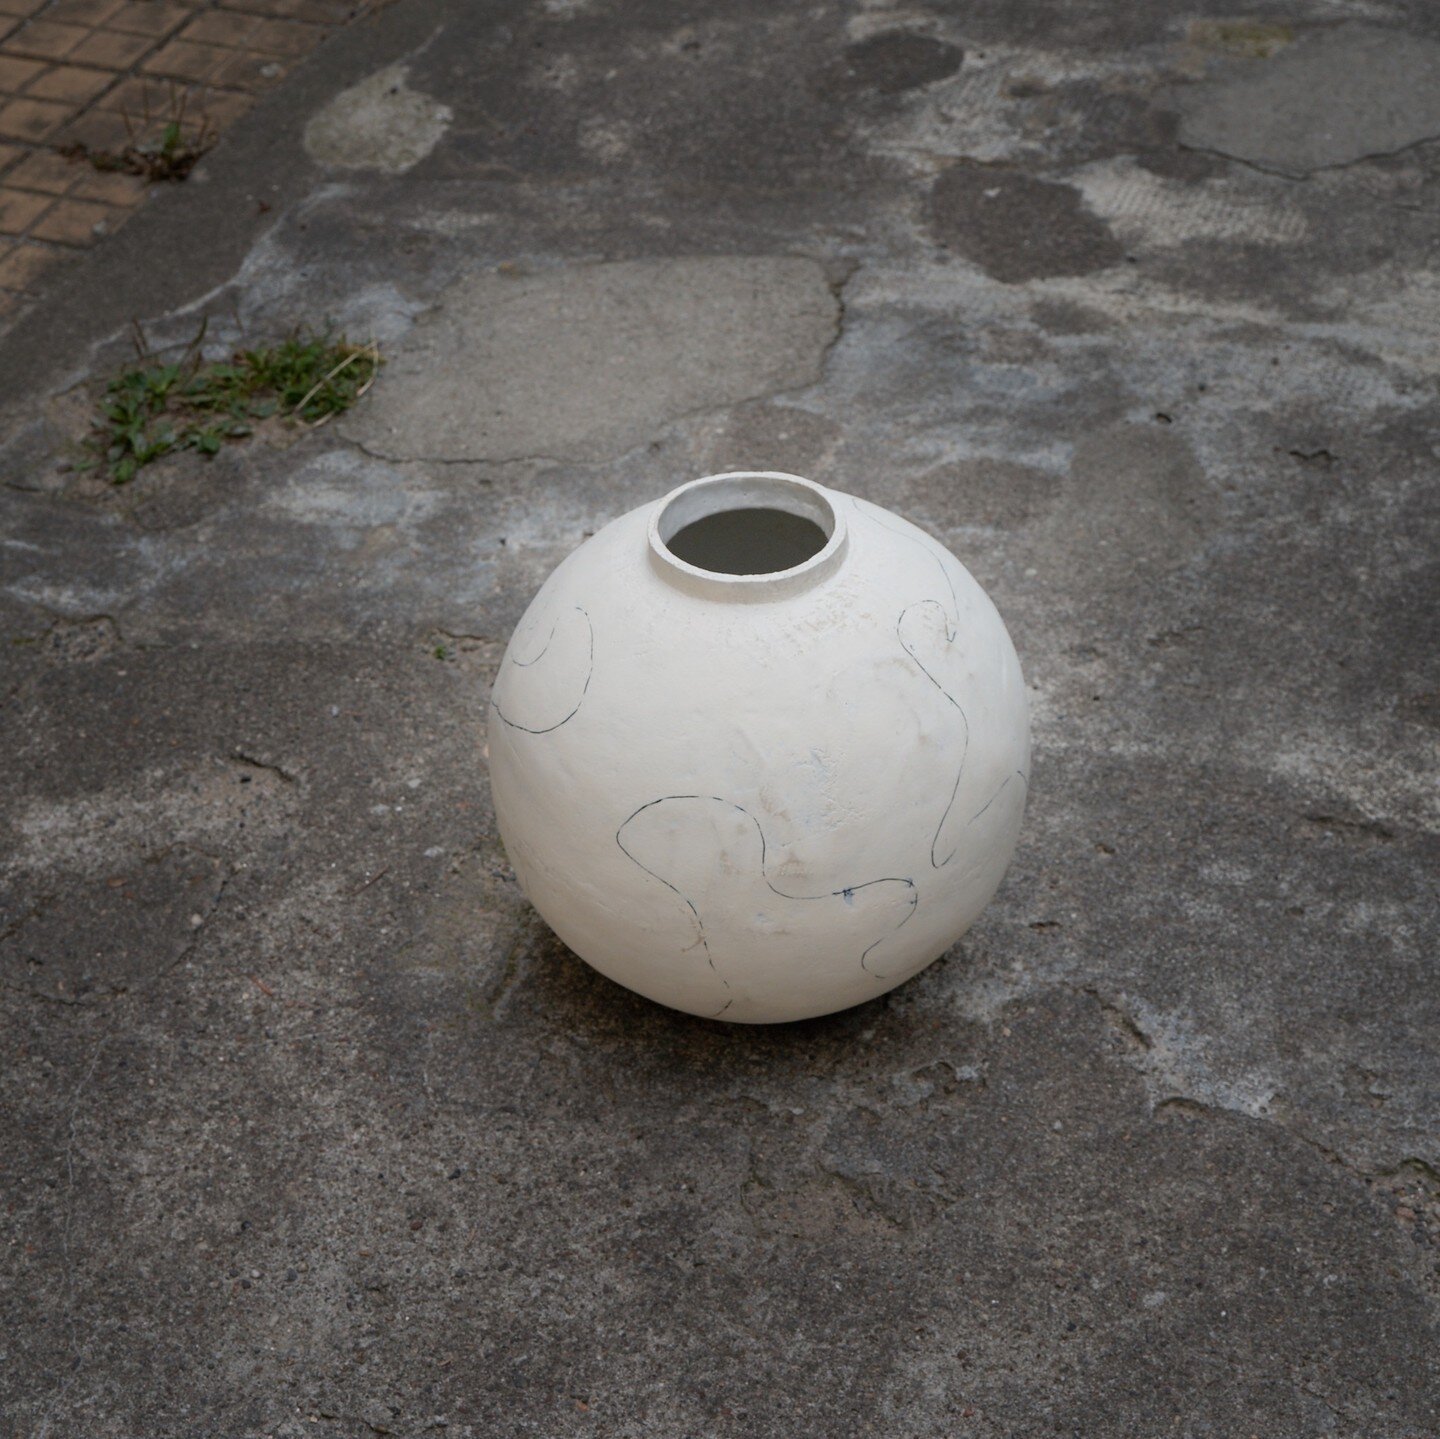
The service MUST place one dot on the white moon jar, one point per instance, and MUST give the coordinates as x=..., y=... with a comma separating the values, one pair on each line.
x=759, y=750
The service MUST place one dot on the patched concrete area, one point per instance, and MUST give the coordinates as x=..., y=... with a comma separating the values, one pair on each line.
x=1334, y=97
x=309, y=1127
x=379, y=124
x=586, y=362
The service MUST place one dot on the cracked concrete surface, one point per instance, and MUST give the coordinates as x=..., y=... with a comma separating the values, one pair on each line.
x=587, y=361
x=1155, y=1150
x=1335, y=97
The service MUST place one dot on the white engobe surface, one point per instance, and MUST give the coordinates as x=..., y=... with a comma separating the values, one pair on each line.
x=760, y=797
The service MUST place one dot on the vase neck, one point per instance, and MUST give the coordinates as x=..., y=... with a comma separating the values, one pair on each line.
x=747, y=535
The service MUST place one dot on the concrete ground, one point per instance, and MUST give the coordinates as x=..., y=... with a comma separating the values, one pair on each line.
x=308, y=1126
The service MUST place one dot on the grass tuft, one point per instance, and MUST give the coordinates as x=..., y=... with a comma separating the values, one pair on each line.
x=151, y=409
x=157, y=157
x=1251, y=39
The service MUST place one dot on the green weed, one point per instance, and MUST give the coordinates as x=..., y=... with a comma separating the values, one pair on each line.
x=1251, y=39
x=168, y=153
x=152, y=409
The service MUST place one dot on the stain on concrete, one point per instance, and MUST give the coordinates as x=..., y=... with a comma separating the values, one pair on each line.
x=786, y=437
x=585, y=362
x=891, y=63
x=992, y=493
x=379, y=124
x=1137, y=501
x=88, y=935
x=1018, y=228
x=1329, y=99
x=69, y=642
x=203, y=806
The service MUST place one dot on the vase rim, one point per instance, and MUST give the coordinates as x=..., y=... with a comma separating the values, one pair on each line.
x=741, y=490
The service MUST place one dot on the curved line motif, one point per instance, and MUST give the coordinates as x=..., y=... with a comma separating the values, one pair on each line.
x=526, y=664
x=846, y=893
x=688, y=902
x=950, y=632
x=951, y=629
x=544, y=649
x=939, y=563
x=1018, y=774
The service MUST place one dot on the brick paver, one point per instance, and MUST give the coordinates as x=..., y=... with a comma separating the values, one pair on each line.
x=91, y=78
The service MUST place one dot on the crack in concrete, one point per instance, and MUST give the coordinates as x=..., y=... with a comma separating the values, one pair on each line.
x=383, y=458
x=553, y=395
x=463, y=635
x=864, y=1199
x=1252, y=165
x=240, y=756
x=837, y=287
x=837, y=290
x=64, y=1001
x=1330, y=1404
x=194, y=942
x=1305, y=175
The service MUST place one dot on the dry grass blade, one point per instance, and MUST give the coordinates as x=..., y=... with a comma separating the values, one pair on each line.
x=369, y=352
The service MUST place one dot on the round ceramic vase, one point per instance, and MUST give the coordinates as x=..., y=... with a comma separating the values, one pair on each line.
x=759, y=749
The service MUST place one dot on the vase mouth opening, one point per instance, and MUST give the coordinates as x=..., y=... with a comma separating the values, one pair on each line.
x=753, y=530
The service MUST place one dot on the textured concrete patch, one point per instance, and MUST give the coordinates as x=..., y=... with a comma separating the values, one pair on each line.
x=586, y=362
x=1018, y=228
x=1027, y=106
x=1165, y=1048
x=350, y=491
x=1329, y=99
x=78, y=641
x=1152, y=210
x=379, y=124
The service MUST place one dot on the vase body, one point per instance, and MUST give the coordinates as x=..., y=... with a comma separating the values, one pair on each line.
x=759, y=796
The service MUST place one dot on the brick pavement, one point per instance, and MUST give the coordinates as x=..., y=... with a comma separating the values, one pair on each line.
x=88, y=89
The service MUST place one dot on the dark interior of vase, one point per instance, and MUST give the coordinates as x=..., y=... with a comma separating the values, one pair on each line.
x=747, y=541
